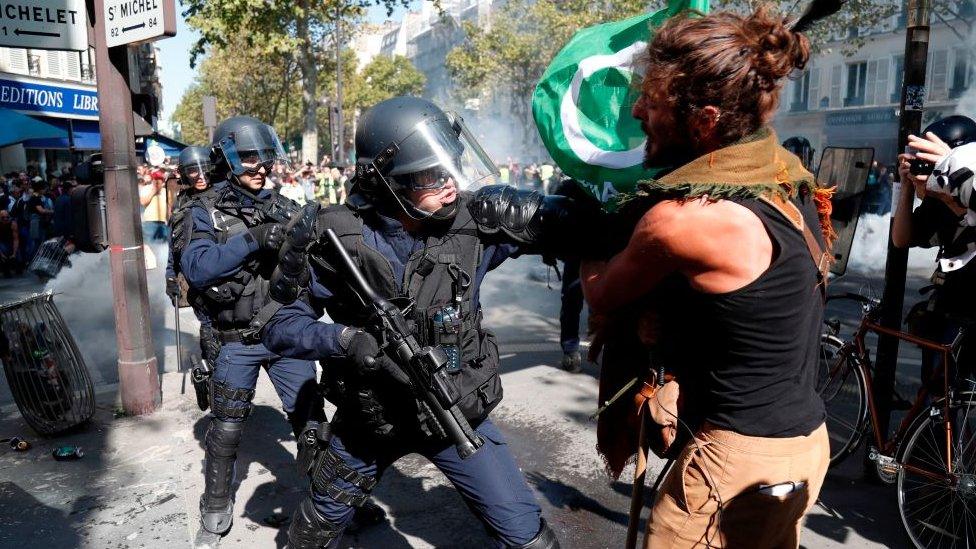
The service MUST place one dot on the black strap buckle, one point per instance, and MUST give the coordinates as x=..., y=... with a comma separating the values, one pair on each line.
x=251, y=336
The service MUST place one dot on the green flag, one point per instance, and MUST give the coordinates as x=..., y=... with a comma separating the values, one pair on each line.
x=582, y=103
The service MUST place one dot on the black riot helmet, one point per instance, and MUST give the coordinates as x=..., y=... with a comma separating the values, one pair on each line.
x=801, y=147
x=406, y=144
x=243, y=144
x=194, y=163
x=955, y=130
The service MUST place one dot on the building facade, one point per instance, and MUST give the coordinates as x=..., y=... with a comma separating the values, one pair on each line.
x=853, y=100
x=58, y=88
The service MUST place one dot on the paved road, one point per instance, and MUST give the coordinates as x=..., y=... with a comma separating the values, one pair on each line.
x=139, y=484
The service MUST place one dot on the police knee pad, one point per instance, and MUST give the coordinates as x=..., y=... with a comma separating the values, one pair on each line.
x=329, y=466
x=222, y=397
x=309, y=529
x=545, y=539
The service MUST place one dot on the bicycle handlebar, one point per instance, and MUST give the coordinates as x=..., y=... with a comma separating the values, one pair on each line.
x=855, y=297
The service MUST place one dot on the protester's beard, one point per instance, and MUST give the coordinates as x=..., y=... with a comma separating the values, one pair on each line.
x=674, y=147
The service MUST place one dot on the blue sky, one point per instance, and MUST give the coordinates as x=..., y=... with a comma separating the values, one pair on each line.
x=174, y=59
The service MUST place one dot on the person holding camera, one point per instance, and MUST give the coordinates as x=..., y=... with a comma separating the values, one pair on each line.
x=938, y=221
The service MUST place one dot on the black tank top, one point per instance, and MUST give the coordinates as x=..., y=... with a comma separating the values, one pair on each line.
x=749, y=357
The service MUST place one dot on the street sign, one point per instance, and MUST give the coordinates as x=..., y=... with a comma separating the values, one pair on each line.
x=134, y=21
x=209, y=111
x=44, y=24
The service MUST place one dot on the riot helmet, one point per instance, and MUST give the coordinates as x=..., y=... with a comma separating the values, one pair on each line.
x=407, y=144
x=955, y=130
x=245, y=146
x=194, y=164
x=801, y=147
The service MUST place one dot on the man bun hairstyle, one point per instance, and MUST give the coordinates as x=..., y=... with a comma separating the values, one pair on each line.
x=733, y=62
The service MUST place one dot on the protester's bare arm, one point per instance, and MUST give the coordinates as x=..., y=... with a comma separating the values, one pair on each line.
x=719, y=246
x=637, y=269
x=901, y=230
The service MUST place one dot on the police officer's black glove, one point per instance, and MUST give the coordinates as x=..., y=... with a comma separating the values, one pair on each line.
x=173, y=289
x=363, y=349
x=269, y=236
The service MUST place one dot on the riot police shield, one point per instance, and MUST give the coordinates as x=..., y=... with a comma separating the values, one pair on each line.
x=846, y=169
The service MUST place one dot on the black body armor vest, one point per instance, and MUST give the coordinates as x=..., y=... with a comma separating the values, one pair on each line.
x=233, y=302
x=438, y=277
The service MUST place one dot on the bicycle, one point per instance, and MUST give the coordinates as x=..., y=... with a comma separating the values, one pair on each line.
x=931, y=456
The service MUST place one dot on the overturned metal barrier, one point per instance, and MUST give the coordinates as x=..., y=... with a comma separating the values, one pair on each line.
x=43, y=366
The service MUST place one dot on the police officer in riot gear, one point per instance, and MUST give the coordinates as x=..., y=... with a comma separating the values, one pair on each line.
x=228, y=261
x=424, y=241
x=193, y=170
x=193, y=173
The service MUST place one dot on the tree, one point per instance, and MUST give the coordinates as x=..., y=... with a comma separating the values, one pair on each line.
x=294, y=28
x=244, y=81
x=385, y=77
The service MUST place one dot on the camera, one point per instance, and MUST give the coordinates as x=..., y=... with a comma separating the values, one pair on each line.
x=917, y=166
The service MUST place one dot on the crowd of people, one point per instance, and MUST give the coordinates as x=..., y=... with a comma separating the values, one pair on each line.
x=158, y=186
x=33, y=209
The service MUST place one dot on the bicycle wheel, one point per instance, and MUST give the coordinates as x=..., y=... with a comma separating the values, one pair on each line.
x=840, y=384
x=937, y=512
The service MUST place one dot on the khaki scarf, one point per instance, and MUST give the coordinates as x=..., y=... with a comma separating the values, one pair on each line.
x=755, y=166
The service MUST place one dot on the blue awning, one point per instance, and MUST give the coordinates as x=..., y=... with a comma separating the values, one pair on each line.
x=172, y=147
x=19, y=128
x=85, y=134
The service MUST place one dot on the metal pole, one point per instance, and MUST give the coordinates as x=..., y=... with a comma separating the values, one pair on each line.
x=910, y=121
x=341, y=161
x=138, y=374
x=71, y=144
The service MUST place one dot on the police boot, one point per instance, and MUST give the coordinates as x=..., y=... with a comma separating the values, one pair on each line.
x=545, y=539
x=217, y=502
x=309, y=529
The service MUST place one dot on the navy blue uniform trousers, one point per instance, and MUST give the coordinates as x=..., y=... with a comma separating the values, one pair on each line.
x=490, y=482
x=294, y=380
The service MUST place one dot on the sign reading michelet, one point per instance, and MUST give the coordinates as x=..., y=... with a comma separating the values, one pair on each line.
x=44, y=24
x=132, y=21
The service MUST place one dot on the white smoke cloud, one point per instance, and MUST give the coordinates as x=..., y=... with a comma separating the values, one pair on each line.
x=967, y=103
x=84, y=296
x=869, y=250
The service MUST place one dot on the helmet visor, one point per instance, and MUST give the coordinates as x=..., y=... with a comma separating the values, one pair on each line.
x=252, y=148
x=451, y=153
x=192, y=171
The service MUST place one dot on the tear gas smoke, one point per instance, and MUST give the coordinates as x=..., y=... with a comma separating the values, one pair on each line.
x=84, y=297
x=869, y=250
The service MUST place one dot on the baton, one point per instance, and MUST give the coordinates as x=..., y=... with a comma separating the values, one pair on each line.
x=179, y=348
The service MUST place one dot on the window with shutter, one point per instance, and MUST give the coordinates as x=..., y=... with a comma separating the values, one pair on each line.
x=871, y=81
x=898, y=74
x=54, y=63
x=18, y=60
x=960, y=74
x=814, y=99
x=940, y=76
x=73, y=65
x=882, y=95
x=835, y=75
